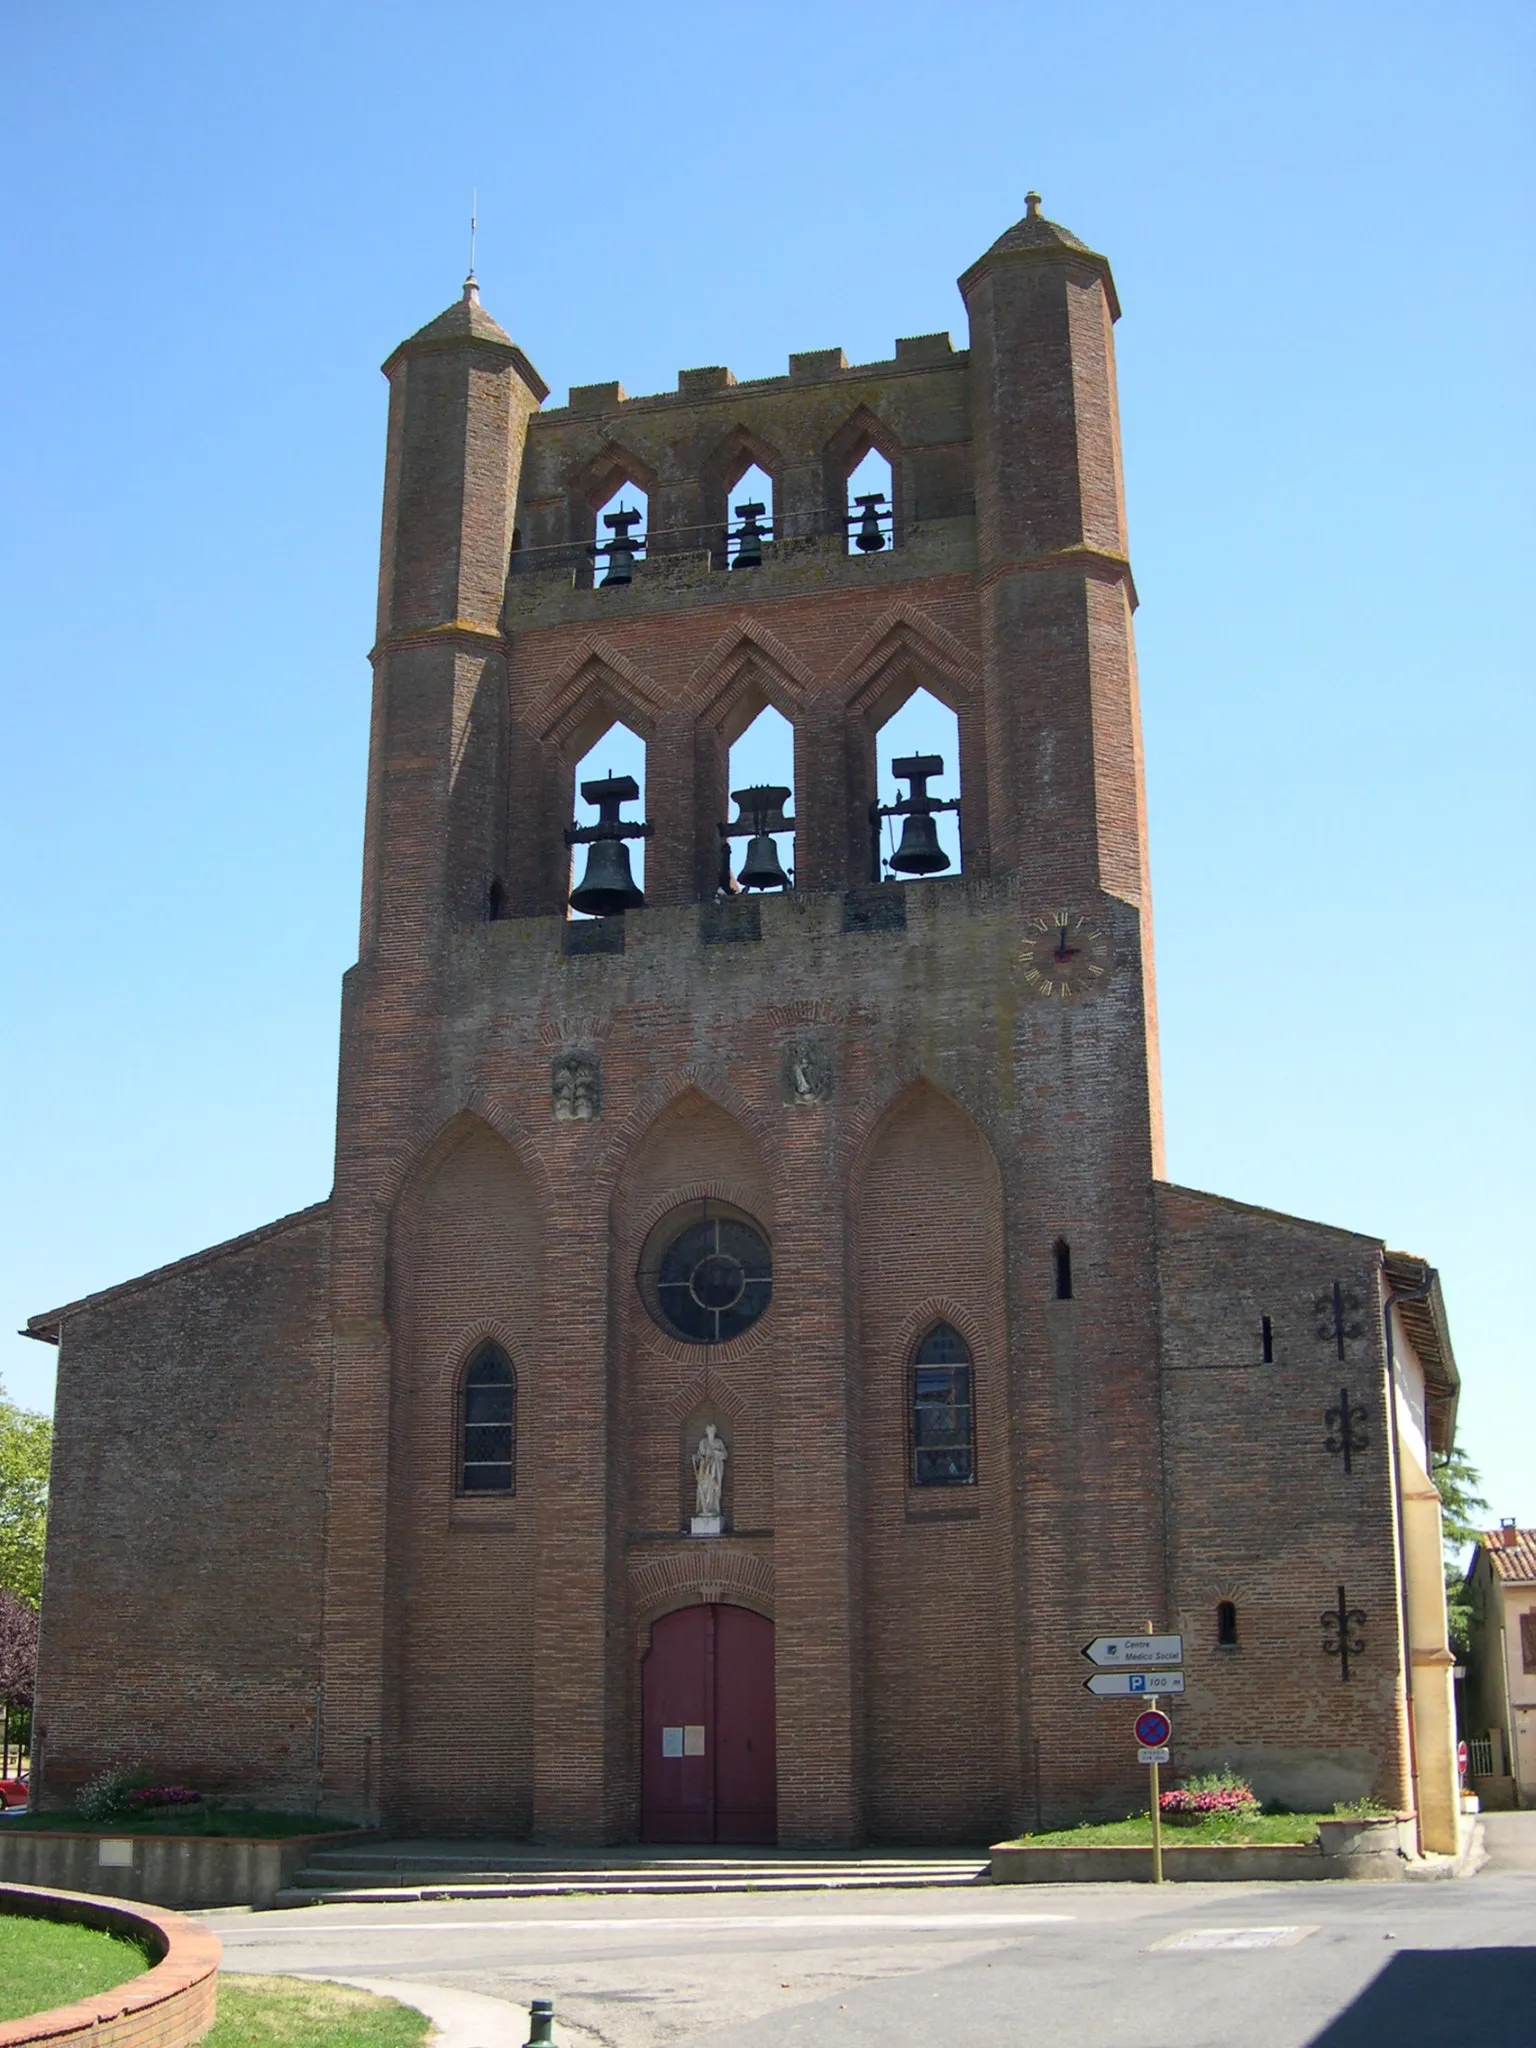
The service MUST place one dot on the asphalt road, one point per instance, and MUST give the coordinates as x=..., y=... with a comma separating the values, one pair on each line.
x=1336, y=1965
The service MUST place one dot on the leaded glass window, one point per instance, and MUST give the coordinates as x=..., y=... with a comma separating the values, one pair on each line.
x=487, y=1424
x=943, y=1432
x=707, y=1274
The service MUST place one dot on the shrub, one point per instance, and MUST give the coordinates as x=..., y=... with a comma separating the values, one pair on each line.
x=107, y=1796
x=143, y=1797
x=1207, y=1793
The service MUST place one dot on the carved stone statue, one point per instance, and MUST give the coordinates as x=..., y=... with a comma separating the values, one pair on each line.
x=709, y=1475
x=576, y=1088
x=807, y=1072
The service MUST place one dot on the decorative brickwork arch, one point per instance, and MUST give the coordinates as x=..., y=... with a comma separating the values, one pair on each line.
x=862, y=431
x=748, y=667
x=593, y=483
x=926, y=1220
x=724, y=468
x=694, y=1574
x=596, y=687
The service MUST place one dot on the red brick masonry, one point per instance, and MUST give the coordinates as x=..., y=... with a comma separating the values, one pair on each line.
x=173, y=2003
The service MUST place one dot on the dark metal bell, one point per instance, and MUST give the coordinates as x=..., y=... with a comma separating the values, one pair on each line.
x=608, y=886
x=919, y=852
x=762, y=869
x=869, y=540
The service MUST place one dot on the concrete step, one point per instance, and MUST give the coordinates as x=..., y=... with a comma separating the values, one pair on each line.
x=318, y=1885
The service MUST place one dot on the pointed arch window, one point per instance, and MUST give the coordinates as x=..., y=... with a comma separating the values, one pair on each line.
x=488, y=1423
x=943, y=1410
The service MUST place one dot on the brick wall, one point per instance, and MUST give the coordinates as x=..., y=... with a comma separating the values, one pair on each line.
x=181, y=1616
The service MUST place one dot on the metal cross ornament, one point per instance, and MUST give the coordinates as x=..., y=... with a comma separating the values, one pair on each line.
x=1342, y=1632
x=1337, y=1315
x=1346, y=1429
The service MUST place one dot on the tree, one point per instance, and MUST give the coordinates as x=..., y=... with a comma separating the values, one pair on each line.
x=26, y=1442
x=1457, y=1480
x=18, y=1651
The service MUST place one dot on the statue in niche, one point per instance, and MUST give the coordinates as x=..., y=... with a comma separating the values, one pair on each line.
x=807, y=1072
x=576, y=1088
x=709, y=1482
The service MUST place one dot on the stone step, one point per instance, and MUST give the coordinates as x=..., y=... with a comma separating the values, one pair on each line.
x=334, y=1887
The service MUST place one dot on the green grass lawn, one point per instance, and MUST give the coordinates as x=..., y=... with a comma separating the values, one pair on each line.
x=186, y=1820
x=1218, y=1830
x=44, y=1963
x=288, y=2012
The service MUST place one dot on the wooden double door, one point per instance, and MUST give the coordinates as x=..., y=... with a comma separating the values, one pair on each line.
x=709, y=1770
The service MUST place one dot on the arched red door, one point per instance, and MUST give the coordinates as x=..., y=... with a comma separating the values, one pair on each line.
x=709, y=1772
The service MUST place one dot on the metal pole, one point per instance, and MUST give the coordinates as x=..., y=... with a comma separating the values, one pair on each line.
x=1157, y=1830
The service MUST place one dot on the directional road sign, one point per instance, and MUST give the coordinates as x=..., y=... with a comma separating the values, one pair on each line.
x=1116, y=1684
x=1153, y=1729
x=1153, y=1756
x=1124, y=1652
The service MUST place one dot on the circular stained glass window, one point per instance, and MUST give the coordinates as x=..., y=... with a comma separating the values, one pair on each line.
x=707, y=1274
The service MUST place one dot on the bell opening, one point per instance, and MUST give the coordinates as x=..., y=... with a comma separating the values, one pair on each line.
x=763, y=757
x=620, y=537
x=617, y=752
x=870, y=508
x=915, y=846
x=749, y=520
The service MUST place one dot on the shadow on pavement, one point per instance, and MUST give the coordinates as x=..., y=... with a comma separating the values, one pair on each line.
x=1452, y=1997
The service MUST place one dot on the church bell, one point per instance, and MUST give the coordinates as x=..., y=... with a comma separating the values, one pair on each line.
x=607, y=889
x=761, y=815
x=762, y=868
x=919, y=851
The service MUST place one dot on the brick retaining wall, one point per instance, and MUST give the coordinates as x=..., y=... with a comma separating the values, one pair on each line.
x=171, y=2004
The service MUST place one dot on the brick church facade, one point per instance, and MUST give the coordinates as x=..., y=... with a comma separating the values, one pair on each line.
x=387, y=1510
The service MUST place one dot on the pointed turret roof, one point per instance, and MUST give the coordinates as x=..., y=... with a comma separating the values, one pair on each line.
x=1034, y=235
x=1034, y=231
x=467, y=322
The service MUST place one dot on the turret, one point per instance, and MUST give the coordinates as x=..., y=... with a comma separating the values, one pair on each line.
x=1063, y=749
x=461, y=393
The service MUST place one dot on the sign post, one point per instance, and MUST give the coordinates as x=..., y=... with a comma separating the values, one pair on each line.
x=1153, y=1729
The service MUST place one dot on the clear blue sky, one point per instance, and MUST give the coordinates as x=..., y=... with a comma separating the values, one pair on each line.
x=221, y=219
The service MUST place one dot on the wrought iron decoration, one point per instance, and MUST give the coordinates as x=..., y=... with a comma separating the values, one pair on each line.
x=1343, y=1635
x=1346, y=1429
x=1338, y=1313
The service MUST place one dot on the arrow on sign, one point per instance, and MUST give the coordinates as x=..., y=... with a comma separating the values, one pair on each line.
x=1125, y=1651
x=1116, y=1684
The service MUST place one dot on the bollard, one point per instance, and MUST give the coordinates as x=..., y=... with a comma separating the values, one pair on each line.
x=541, y=2021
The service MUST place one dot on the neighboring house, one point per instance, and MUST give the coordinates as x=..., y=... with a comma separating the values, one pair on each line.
x=1501, y=1670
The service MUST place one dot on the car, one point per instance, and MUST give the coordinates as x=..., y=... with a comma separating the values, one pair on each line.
x=13, y=1793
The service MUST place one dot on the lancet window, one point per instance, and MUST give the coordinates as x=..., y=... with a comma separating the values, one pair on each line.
x=488, y=1423
x=943, y=1439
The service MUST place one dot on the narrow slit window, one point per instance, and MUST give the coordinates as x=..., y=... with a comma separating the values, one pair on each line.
x=943, y=1420
x=1061, y=1260
x=488, y=1424
x=1226, y=1625
x=1266, y=1340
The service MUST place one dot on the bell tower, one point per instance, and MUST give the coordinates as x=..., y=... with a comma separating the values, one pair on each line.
x=923, y=1092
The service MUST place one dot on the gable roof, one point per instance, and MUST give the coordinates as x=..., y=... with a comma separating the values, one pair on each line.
x=1514, y=1562
x=46, y=1327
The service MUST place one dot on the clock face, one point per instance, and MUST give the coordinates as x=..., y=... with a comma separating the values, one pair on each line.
x=1065, y=955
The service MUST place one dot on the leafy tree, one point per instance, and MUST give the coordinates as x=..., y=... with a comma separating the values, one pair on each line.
x=18, y=1651
x=1457, y=1480
x=26, y=1440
